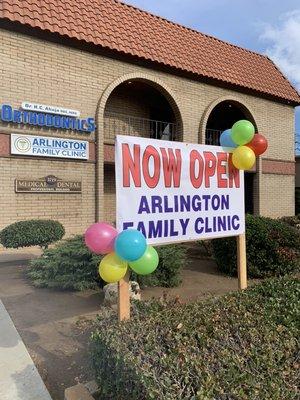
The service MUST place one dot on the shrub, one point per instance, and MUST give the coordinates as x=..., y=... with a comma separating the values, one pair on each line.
x=171, y=260
x=273, y=248
x=240, y=346
x=35, y=232
x=293, y=221
x=69, y=265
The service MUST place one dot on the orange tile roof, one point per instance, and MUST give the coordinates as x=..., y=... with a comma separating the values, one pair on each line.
x=126, y=29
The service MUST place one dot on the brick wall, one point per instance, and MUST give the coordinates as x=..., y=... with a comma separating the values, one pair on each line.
x=74, y=211
x=38, y=71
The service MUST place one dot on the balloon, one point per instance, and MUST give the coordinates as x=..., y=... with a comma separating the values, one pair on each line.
x=226, y=141
x=130, y=245
x=147, y=263
x=242, y=132
x=100, y=238
x=243, y=157
x=258, y=144
x=112, y=268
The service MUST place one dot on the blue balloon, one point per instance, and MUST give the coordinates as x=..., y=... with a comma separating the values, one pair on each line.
x=130, y=245
x=225, y=139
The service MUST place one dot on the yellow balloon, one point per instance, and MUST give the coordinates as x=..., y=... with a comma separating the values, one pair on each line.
x=243, y=157
x=112, y=268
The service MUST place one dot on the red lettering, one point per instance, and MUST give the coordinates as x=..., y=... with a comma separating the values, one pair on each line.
x=221, y=170
x=171, y=166
x=210, y=167
x=234, y=173
x=131, y=166
x=153, y=180
x=195, y=157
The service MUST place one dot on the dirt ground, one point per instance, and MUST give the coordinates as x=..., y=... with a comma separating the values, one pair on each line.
x=56, y=325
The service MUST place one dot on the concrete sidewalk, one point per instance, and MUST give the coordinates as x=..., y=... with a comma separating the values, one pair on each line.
x=19, y=378
x=16, y=256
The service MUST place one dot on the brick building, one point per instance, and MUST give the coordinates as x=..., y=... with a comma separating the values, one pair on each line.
x=133, y=73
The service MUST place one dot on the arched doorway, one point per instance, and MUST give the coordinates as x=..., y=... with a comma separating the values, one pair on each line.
x=136, y=107
x=222, y=117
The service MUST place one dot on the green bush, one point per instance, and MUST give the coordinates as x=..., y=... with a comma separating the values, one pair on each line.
x=69, y=265
x=240, y=346
x=293, y=221
x=35, y=232
x=172, y=258
x=273, y=249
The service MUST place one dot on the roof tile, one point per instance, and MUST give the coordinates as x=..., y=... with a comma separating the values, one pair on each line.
x=118, y=26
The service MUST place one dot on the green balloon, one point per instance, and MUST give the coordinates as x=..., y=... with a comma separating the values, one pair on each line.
x=242, y=132
x=147, y=263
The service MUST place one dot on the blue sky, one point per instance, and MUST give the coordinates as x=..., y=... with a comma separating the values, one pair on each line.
x=267, y=26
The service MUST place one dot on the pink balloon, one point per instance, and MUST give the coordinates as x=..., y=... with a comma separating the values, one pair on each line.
x=100, y=238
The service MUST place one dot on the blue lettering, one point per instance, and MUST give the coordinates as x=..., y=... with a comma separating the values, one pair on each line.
x=156, y=204
x=155, y=230
x=144, y=206
x=184, y=224
x=6, y=113
x=33, y=118
x=222, y=223
x=235, y=225
x=91, y=126
x=49, y=120
x=199, y=229
x=141, y=228
x=57, y=121
x=127, y=225
x=17, y=118
x=172, y=228
x=41, y=119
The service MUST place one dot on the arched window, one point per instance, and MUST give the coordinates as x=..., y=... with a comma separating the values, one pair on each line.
x=222, y=117
x=139, y=108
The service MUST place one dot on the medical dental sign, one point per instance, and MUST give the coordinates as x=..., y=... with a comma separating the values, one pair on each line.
x=45, y=116
x=43, y=146
x=175, y=192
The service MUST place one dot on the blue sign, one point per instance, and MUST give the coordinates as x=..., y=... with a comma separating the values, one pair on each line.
x=8, y=114
x=43, y=146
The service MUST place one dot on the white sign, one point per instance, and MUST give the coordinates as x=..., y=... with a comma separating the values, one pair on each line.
x=45, y=146
x=26, y=105
x=174, y=192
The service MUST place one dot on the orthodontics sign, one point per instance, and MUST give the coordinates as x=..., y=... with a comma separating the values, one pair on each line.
x=177, y=191
x=45, y=116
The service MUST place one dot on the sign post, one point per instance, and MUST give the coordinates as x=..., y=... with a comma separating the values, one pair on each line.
x=176, y=192
x=242, y=261
x=124, y=298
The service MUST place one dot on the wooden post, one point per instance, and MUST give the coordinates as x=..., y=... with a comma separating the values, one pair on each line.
x=124, y=298
x=242, y=261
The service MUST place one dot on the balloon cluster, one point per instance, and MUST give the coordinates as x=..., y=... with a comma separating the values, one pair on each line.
x=244, y=144
x=128, y=248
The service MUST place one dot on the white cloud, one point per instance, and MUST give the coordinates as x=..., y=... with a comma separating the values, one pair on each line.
x=283, y=45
